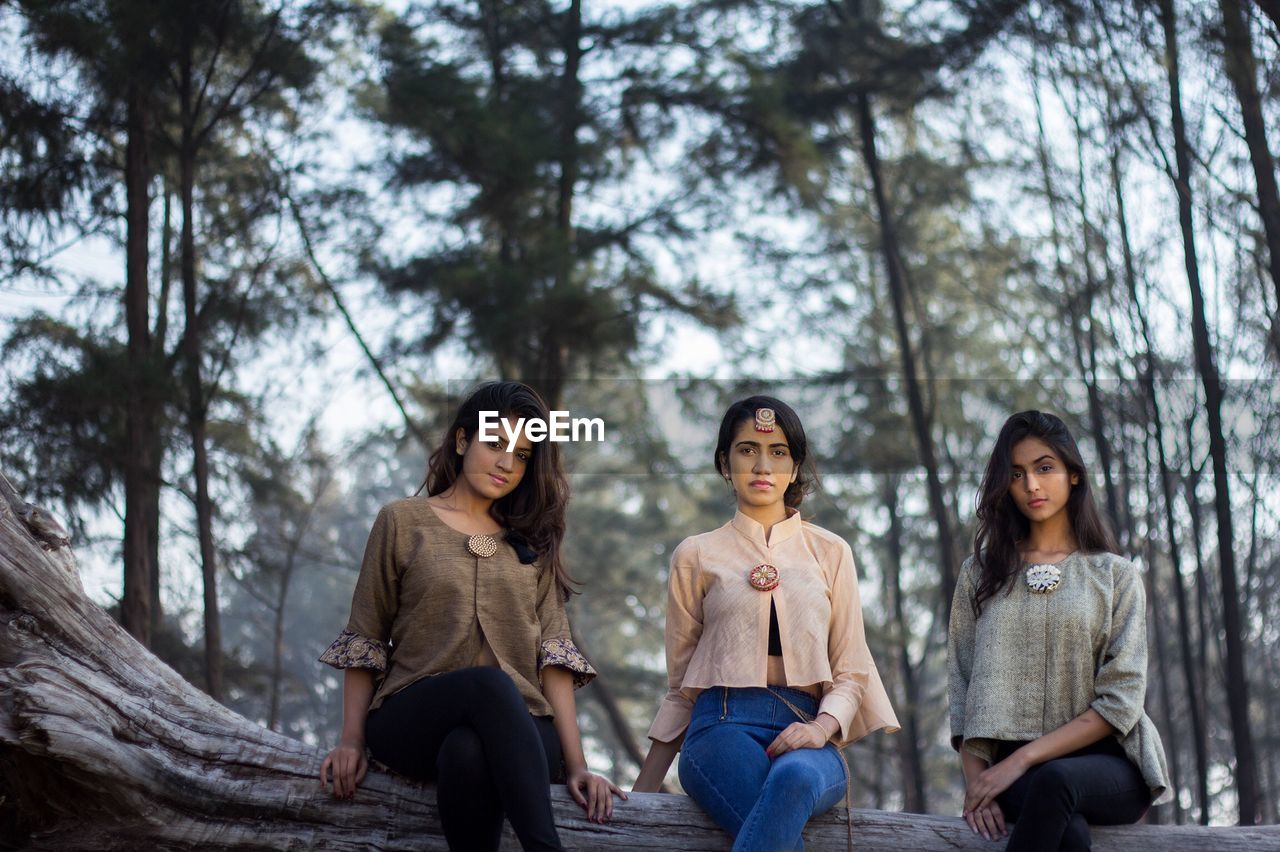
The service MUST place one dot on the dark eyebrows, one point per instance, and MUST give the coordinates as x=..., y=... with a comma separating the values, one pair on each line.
x=1049, y=456
x=782, y=444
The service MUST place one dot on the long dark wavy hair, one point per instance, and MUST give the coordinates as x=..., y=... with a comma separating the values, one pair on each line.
x=789, y=422
x=1001, y=525
x=535, y=510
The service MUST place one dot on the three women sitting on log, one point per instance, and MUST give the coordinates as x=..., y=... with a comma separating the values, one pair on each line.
x=460, y=666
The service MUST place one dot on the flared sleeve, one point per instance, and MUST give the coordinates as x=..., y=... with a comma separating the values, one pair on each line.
x=365, y=642
x=557, y=647
x=857, y=698
x=1120, y=685
x=683, y=629
x=960, y=642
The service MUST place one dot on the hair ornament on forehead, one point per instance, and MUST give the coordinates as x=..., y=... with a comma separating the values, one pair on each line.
x=765, y=419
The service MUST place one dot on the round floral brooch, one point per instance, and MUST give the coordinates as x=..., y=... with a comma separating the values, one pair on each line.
x=1043, y=578
x=763, y=578
x=482, y=545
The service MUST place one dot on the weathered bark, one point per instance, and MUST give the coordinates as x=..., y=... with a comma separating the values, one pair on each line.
x=1242, y=68
x=102, y=746
x=920, y=422
x=1246, y=774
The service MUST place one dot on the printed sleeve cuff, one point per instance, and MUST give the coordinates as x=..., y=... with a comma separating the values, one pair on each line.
x=563, y=653
x=353, y=651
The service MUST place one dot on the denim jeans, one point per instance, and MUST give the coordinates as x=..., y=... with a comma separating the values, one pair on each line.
x=764, y=803
x=1054, y=802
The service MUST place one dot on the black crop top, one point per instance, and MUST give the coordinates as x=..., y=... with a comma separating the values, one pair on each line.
x=775, y=636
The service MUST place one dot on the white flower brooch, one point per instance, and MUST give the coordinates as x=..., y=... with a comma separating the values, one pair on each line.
x=1043, y=578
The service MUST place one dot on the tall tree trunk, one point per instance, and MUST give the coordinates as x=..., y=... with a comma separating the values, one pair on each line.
x=1242, y=69
x=552, y=361
x=1237, y=683
x=909, y=751
x=141, y=479
x=1089, y=364
x=915, y=401
x=161, y=353
x=197, y=405
x=1148, y=371
x=1155, y=616
x=1086, y=368
x=277, y=636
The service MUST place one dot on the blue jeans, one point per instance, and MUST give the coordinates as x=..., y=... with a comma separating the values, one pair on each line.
x=764, y=803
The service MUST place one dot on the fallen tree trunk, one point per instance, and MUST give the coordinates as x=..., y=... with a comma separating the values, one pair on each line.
x=102, y=746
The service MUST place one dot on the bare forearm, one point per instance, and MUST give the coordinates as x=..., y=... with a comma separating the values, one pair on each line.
x=357, y=692
x=971, y=765
x=656, y=764
x=557, y=686
x=1086, y=729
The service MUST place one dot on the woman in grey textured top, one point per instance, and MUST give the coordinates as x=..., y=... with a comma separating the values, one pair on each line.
x=1047, y=654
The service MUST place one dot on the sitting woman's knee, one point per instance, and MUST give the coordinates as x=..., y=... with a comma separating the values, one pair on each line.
x=796, y=774
x=461, y=755
x=1050, y=779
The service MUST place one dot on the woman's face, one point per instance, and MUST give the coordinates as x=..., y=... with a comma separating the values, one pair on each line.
x=760, y=465
x=493, y=469
x=1040, y=483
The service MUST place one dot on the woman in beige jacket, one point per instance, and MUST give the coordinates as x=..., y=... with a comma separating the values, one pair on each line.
x=767, y=659
x=1048, y=654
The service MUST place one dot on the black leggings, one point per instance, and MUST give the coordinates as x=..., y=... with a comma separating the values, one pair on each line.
x=470, y=731
x=1054, y=802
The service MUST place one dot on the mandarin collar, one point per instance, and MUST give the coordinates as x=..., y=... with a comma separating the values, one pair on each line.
x=754, y=530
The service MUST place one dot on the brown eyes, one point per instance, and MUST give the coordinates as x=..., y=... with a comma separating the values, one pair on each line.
x=497, y=447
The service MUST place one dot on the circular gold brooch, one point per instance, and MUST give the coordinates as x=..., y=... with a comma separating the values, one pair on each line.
x=1043, y=578
x=482, y=545
x=763, y=578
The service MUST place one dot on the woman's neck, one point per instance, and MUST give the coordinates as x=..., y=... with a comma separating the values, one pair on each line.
x=460, y=497
x=1050, y=536
x=765, y=516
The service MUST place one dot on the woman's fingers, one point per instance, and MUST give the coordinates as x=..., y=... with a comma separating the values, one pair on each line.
x=593, y=797
x=990, y=830
x=998, y=815
x=348, y=790
x=980, y=816
x=362, y=769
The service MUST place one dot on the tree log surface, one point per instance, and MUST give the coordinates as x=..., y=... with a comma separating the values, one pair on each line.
x=103, y=746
